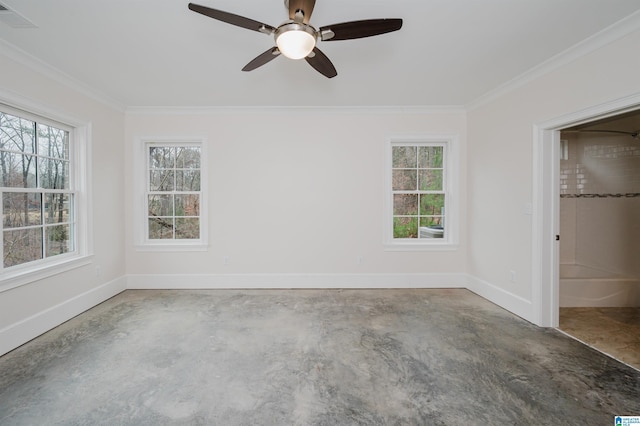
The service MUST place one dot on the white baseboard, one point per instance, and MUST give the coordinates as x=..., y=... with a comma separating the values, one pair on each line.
x=509, y=301
x=21, y=332
x=299, y=281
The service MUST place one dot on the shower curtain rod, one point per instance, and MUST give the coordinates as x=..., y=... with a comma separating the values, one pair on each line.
x=634, y=135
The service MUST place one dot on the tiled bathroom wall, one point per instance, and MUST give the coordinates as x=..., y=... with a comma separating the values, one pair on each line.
x=600, y=166
x=600, y=201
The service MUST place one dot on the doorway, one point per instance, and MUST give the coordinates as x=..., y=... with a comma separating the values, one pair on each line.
x=546, y=203
x=599, y=225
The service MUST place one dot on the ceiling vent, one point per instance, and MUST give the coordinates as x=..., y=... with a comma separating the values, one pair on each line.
x=14, y=19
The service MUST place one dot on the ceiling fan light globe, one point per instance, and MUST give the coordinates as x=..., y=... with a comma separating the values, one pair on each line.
x=295, y=41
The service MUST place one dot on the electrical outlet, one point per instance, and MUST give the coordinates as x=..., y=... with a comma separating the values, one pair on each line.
x=512, y=276
x=98, y=271
x=226, y=260
x=360, y=260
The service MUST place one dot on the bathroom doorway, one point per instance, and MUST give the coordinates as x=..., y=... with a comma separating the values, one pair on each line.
x=599, y=224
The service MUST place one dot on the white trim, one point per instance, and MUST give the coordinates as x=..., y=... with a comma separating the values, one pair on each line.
x=452, y=190
x=295, y=281
x=32, y=107
x=24, y=330
x=28, y=273
x=21, y=332
x=292, y=109
x=515, y=304
x=83, y=175
x=142, y=243
x=172, y=246
x=20, y=56
x=544, y=262
x=80, y=159
x=608, y=35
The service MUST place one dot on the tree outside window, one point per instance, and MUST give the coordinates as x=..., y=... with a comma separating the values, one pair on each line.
x=173, y=192
x=418, y=190
x=37, y=198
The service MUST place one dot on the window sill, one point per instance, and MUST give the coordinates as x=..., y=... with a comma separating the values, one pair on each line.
x=173, y=247
x=27, y=274
x=421, y=246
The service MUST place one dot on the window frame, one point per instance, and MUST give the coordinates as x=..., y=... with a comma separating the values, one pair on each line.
x=79, y=182
x=141, y=164
x=450, y=189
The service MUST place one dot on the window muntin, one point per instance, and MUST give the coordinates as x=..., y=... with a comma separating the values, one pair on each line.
x=37, y=190
x=174, y=195
x=419, y=195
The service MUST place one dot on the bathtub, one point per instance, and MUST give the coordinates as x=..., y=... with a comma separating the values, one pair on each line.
x=583, y=286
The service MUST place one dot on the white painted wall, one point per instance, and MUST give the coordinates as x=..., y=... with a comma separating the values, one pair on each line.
x=35, y=307
x=500, y=162
x=295, y=191
x=301, y=191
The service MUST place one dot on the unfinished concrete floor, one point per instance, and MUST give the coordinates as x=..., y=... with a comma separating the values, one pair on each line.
x=309, y=357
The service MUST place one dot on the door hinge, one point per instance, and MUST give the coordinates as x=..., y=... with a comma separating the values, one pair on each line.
x=557, y=237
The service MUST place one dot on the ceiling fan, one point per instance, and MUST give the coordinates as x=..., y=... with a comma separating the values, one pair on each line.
x=297, y=39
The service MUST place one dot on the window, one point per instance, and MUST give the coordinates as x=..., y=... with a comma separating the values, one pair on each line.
x=173, y=196
x=40, y=187
x=420, y=212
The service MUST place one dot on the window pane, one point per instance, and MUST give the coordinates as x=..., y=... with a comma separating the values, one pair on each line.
x=405, y=227
x=58, y=240
x=57, y=208
x=404, y=157
x=161, y=157
x=187, y=180
x=53, y=142
x=430, y=157
x=433, y=221
x=405, y=204
x=21, y=209
x=160, y=205
x=187, y=205
x=21, y=246
x=174, y=170
x=430, y=180
x=35, y=155
x=188, y=158
x=404, y=180
x=160, y=228
x=161, y=180
x=18, y=171
x=188, y=228
x=17, y=134
x=431, y=204
x=53, y=173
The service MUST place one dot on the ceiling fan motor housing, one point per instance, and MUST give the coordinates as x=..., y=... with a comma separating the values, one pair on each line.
x=295, y=40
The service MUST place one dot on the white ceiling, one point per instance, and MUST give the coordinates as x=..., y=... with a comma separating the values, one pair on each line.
x=156, y=53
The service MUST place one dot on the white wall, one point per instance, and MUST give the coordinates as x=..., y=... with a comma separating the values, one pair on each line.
x=295, y=191
x=301, y=191
x=500, y=156
x=32, y=308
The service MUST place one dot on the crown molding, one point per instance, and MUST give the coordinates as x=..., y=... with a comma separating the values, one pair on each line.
x=41, y=67
x=606, y=36
x=176, y=110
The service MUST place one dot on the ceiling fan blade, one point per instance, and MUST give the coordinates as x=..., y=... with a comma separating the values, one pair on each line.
x=230, y=18
x=262, y=59
x=306, y=6
x=359, y=29
x=321, y=63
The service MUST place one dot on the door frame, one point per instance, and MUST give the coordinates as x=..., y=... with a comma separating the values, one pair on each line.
x=546, y=203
